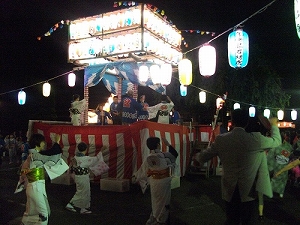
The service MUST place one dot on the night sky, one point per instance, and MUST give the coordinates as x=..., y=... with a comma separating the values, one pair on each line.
x=25, y=61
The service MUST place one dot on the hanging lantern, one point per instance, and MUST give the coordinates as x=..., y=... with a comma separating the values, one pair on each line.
x=297, y=16
x=219, y=103
x=280, y=114
x=267, y=113
x=143, y=73
x=22, y=97
x=293, y=114
x=46, y=89
x=236, y=106
x=202, y=96
x=155, y=74
x=166, y=73
x=207, y=60
x=185, y=72
x=238, y=48
x=183, y=90
x=252, y=111
x=71, y=79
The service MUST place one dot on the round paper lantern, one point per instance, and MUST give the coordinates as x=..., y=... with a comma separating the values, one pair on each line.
x=166, y=73
x=155, y=74
x=238, y=48
x=71, y=79
x=143, y=73
x=293, y=114
x=297, y=16
x=219, y=102
x=236, y=106
x=267, y=113
x=183, y=90
x=252, y=111
x=185, y=72
x=280, y=114
x=46, y=89
x=22, y=97
x=207, y=60
x=202, y=96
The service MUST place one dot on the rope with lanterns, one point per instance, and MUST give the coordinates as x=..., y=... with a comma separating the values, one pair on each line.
x=238, y=53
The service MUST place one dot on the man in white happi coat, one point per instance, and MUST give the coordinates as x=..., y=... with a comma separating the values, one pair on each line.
x=161, y=110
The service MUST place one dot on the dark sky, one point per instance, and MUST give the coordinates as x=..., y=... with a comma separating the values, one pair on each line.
x=26, y=61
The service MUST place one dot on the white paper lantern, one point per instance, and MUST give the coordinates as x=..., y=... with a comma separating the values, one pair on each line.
x=297, y=16
x=207, y=60
x=155, y=74
x=280, y=114
x=185, y=72
x=143, y=73
x=166, y=73
x=252, y=111
x=236, y=106
x=46, y=89
x=219, y=103
x=202, y=96
x=71, y=79
x=267, y=113
x=293, y=114
x=183, y=90
x=22, y=97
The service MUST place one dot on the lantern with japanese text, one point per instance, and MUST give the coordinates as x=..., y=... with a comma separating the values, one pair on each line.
x=202, y=96
x=22, y=97
x=185, y=72
x=46, y=89
x=238, y=48
x=71, y=79
x=207, y=60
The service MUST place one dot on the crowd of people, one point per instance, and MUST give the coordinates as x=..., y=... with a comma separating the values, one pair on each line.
x=127, y=111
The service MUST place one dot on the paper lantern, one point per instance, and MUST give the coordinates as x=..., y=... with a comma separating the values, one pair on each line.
x=155, y=74
x=46, y=89
x=207, y=60
x=219, y=103
x=22, y=97
x=238, y=48
x=202, y=96
x=236, y=106
x=267, y=113
x=166, y=73
x=143, y=73
x=293, y=114
x=297, y=16
x=183, y=90
x=280, y=114
x=71, y=79
x=252, y=111
x=185, y=72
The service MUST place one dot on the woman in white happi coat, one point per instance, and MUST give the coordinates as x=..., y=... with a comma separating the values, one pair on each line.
x=81, y=166
x=33, y=178
x=77, y=107
x=158, y=167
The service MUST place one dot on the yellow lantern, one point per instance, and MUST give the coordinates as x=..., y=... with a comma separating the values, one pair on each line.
x=22, y=97
x=71, y=79
x=202, y=96
x=207, y=60
x=46, y=89
x=185, y=72
x=280, y=114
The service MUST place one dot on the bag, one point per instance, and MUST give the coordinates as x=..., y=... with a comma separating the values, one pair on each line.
x=100, y=168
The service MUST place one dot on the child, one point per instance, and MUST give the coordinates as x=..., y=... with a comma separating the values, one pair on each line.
x=158, y=167
x=81, y=201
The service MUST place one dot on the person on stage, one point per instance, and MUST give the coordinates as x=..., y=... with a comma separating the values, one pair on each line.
x=77, y=107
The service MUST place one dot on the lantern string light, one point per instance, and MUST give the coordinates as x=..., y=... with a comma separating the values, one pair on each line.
x=55, y=27
x=231, y=28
